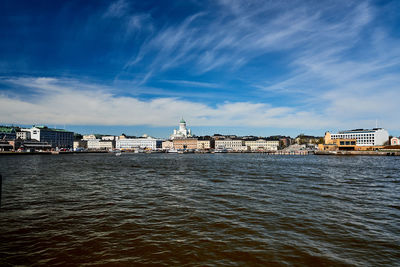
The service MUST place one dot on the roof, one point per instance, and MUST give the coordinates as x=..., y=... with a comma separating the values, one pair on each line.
x=7, y=129
x=182, y=121
x=50, y=129
x=360, y=131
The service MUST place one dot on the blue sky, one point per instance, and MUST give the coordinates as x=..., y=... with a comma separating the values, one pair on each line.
x=234, y=67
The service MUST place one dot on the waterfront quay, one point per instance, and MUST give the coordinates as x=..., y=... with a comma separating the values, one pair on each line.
x=45, y=140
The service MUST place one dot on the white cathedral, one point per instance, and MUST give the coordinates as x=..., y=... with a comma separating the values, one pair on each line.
x=182, y=132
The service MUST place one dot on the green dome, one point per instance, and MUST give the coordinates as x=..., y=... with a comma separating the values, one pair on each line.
x=182, y=121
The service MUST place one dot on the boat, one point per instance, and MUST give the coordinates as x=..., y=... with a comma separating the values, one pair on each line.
x=172, y=151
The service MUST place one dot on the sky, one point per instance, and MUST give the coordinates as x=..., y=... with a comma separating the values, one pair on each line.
x=231, y=67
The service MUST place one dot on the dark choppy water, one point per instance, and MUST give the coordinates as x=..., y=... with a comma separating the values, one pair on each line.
x=226, y=209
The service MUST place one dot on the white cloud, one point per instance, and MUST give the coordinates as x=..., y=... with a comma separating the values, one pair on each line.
x=71, y=102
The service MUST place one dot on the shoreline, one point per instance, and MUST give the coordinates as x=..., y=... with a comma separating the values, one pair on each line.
x=296, y=153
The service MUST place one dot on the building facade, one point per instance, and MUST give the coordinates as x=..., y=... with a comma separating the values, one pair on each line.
x=98, y=144
x=57, y=138
x=205, y=144
x=167, y=145
x=262, y=145
x=185, y=143
x=23, y=135
x=369, y=137
x=231, y=144
x=149, y=143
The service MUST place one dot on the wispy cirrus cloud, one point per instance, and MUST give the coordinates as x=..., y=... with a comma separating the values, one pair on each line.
x=193, y=83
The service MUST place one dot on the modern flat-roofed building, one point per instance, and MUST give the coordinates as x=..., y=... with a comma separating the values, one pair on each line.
x=55, y=137
x=136, y=143
x=369, y=137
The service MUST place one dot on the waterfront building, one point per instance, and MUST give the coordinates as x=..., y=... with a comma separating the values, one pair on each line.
x=231, y=144
x=5, y=146
x=33, y=145
x=80, y=144
x=98, y=144
x=262, y=145
x=368, y=137
x=147, y=142
x=166, y=145
x=55, y=137
x=185, y=143
x=182, y=132
x=205, y=144
x=395, y=141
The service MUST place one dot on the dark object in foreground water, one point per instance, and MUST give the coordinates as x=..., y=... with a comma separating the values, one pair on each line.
x=1, y=182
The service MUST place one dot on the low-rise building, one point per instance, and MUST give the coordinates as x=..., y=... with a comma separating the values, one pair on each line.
x=80, y=144
x=166, y=145
x=98, y=144
x=262, y=145
x=205, y=143
x=5, y=146
x=355, y=140
x=368, y=137
x=149, y=143
x=231, y=144
x=89, y=137
x=185, y=143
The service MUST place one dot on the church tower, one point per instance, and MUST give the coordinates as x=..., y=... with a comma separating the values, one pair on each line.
x=182, y=125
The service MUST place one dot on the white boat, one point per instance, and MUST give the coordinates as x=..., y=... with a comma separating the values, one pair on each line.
x=172, y=151
x=118, y=154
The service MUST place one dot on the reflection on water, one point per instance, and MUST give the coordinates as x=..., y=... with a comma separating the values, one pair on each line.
x=210, y=209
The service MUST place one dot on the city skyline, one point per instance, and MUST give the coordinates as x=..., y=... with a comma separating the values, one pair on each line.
x=229, y=67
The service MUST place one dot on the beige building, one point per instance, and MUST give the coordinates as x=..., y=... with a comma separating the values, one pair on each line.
x=185, y=143
x=231, y=144
x=89, y=137
x=167, y=145
x=262, y=145
x=205, y=144
x=98, y=144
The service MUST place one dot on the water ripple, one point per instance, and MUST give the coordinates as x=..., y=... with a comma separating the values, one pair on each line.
x=200, y=210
